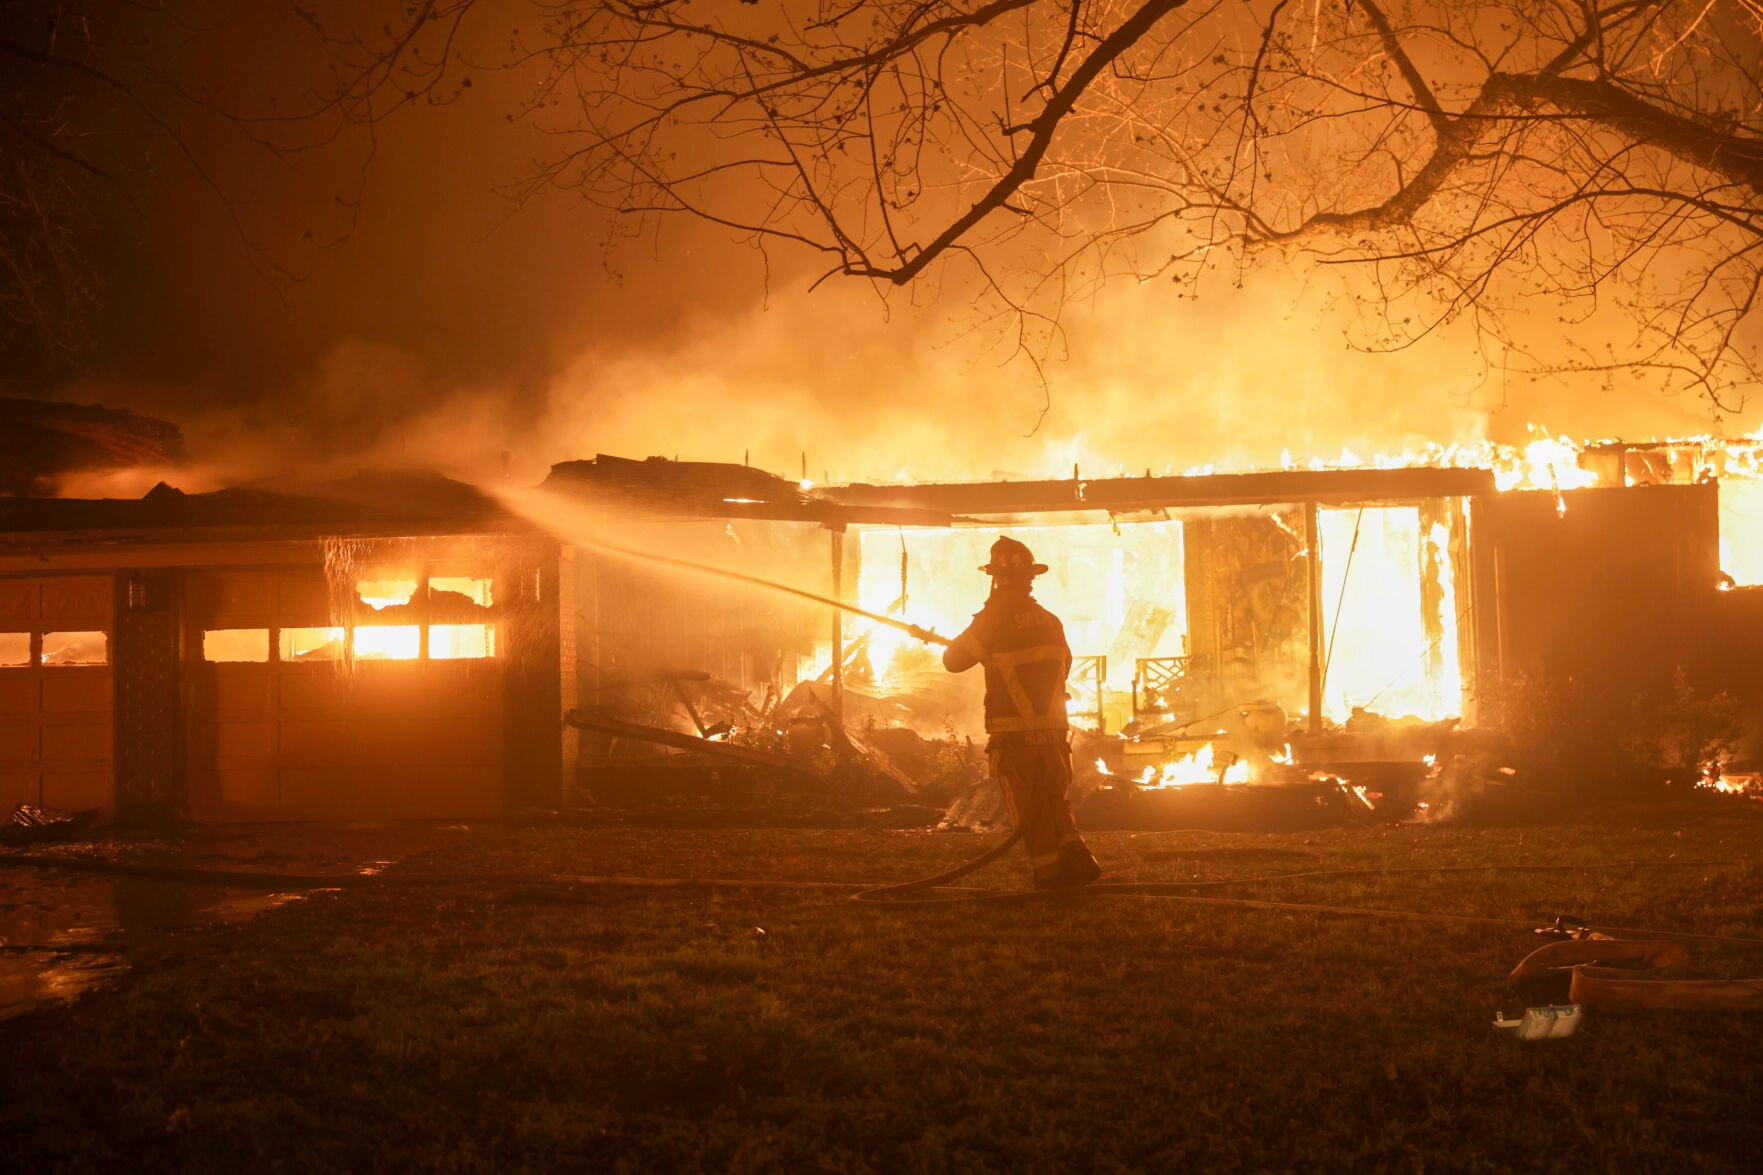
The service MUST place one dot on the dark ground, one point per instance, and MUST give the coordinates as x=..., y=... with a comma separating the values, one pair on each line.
x=530, y=1025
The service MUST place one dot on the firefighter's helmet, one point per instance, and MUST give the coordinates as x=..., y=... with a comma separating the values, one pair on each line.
x=1011, y=558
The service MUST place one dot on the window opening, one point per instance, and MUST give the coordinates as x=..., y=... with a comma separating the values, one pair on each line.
x=380, y=594
x=388, y=642
x=311, y=644
x=461, y=642
x=15, y=649
x=235, y=644
x=473, y=591
x=76, y=648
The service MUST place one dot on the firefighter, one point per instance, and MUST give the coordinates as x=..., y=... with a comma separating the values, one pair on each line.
x=1026, y=659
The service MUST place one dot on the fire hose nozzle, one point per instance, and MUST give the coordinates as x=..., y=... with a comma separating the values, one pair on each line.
x=927, y=636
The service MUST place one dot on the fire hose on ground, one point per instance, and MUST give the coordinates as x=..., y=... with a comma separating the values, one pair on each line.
x=910, y=894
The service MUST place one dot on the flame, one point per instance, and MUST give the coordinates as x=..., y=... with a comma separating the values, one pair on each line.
x=1201, y=766
x=1732, y=784
x=1391, y=600
x=1545, y=463
x=1118, y=588
x=1381, y=650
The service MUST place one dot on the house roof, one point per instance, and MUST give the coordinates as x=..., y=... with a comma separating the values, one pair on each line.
x=407, y=502
x=367, y=503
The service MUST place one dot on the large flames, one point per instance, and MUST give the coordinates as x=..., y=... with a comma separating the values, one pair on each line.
x=1389, y=579
x=1117, y=588
x=1386, y=646
x=1120, y=589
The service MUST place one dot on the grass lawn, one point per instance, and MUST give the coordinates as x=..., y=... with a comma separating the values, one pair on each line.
x=515, y=1026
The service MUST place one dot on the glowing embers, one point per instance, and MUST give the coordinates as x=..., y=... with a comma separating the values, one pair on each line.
x=15, y=649
x=1389, y=615
x=1732, y=784
x=76, y=648
x=235, y=644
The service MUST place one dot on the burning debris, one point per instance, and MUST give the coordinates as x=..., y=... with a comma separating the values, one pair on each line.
x=748, y=747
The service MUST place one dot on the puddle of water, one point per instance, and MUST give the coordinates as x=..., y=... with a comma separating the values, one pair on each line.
x=64, y=934
x=33, y=979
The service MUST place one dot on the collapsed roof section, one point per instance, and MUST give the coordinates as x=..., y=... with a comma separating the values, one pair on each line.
x=710, y=489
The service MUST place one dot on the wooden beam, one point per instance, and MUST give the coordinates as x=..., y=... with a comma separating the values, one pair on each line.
x=1125, y=494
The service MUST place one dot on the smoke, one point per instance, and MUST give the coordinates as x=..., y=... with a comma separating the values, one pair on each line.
x=836, y=384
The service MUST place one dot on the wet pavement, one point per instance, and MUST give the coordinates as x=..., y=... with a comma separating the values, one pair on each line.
x=64, y=932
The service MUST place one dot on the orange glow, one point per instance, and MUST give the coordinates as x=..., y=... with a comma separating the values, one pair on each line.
x=385, y=593
x=1545, y=463
x=459, y=642
x=15, y=648
x=475, y=590
x=388, y=642
x=1741, y=531
x=235, y=644
x=1119, y=590
x=1201, y=766
x=1390, y=624
x=1379, y=654
x=1732, y=784
x=311, y=644
x=76, y=648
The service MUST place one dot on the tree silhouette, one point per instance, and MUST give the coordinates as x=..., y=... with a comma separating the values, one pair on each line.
x=1465, y=155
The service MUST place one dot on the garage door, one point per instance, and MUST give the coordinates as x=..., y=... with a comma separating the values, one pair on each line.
x=56, y=692
x=396, y=714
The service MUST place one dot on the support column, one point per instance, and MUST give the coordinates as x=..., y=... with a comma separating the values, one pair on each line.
x=838, y=633
x=1313, y=559
x=146, y=659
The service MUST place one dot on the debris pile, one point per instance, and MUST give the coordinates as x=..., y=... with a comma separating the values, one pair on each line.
x=682, y=733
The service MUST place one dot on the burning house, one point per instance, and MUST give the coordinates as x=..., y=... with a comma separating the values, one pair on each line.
x=405, y=646
x=1193, y=604
x=1226, y=627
